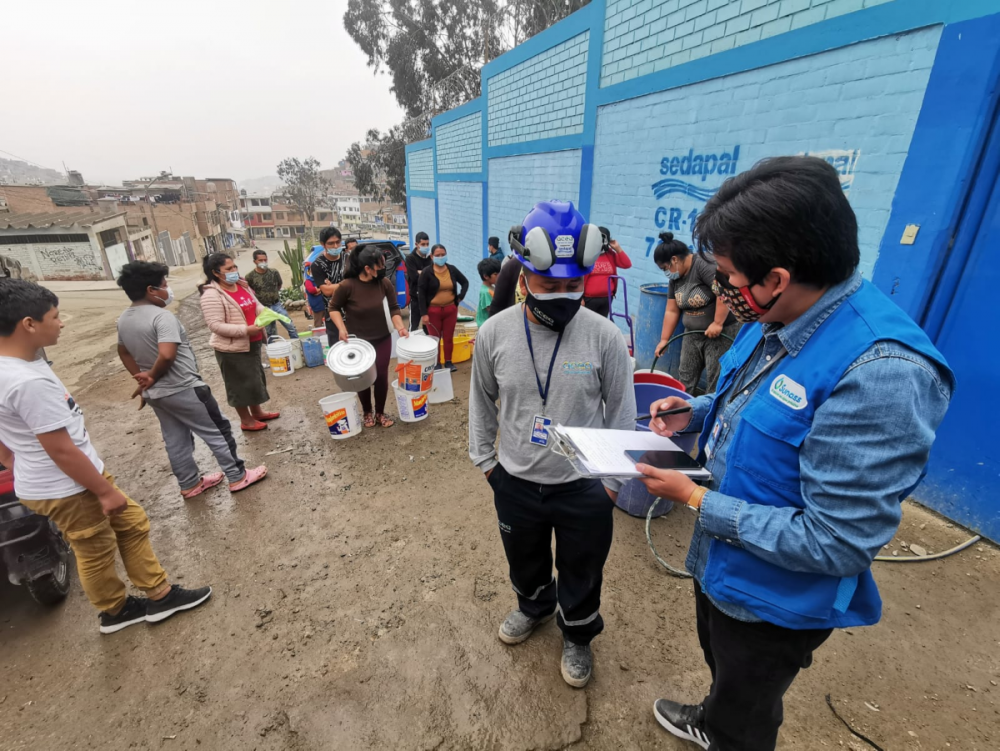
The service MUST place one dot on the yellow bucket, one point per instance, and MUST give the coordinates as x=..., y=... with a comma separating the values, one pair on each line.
x=462, y=350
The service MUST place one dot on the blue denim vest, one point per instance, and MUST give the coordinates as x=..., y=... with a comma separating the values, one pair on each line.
x=763, y=461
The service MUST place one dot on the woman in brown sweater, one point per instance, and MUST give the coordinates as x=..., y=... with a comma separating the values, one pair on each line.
x=360, y=297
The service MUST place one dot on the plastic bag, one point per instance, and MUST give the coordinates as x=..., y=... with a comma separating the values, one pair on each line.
x=267, y=316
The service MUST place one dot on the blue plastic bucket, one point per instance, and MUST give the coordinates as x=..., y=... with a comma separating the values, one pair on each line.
x=653, y=300
x=312, y=350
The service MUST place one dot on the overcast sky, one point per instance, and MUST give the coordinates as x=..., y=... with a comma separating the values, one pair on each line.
x=210, y=88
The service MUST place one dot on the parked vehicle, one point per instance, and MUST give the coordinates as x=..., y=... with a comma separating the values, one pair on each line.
x=34, y=552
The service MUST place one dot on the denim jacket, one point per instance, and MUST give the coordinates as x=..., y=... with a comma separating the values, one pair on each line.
x=866, y=446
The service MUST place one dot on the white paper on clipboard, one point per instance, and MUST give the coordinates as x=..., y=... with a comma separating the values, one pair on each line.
x=601, y=453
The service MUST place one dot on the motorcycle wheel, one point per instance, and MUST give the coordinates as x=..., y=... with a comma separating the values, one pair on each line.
x=53, y=588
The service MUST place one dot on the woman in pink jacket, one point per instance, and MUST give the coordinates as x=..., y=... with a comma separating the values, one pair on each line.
x=230, y=309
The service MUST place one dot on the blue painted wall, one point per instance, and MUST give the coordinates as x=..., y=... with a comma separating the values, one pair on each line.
x=421, y=168
x=461, y=220
x=459, y=145
x=518, y=182
x=638, y=109
x=541, y=97
x=857, y=105
x=423, y=217
x=644, y=36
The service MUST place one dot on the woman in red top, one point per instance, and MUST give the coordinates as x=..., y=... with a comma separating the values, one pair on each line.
x=595, y=290
x=230, y=310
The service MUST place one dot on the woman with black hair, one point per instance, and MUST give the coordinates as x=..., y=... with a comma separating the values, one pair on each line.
x=360, y=296
x=440, y=290
x=230, y=310
x=691, y=276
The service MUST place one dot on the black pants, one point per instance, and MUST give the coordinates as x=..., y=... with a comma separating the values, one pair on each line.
x=600, y=305
x=752, y=665
x=383, y=353
x=580, y=512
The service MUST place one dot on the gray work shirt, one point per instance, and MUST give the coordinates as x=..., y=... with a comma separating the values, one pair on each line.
x=591, y=388
x=141, y=328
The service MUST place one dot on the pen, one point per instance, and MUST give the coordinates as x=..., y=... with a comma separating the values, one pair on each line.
x=666, y=413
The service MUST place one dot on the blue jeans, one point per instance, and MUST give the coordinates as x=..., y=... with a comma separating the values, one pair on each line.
x=272, y=328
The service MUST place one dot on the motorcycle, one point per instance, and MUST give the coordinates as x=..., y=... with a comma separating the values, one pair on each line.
x=34, y=551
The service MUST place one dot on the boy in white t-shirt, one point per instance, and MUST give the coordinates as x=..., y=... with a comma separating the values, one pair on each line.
x=57, y=472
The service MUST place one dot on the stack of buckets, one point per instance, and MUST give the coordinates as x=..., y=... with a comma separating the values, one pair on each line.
x=416, y=357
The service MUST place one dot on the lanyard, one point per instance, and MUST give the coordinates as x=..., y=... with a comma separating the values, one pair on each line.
x=741, y=374
x=543, y=393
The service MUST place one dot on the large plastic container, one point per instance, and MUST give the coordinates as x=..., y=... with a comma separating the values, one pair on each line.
x=342, y=415
x=412, y=405
x=279, y=354
x=648, y=327
x=417, y=354
x=441, y=390
x=312, y=351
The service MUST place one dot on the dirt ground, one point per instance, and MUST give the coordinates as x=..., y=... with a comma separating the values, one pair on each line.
x=358, y=590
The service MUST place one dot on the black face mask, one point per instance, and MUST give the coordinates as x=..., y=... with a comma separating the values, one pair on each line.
x=380, y=274
x=554, y=313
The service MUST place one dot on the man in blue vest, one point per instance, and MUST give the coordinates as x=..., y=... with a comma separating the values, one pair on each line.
x=821, y=425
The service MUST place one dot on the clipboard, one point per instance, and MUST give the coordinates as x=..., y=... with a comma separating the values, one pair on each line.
x=597, y=453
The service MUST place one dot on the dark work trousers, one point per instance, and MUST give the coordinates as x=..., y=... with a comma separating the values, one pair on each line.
x=383, y=353
x=752, y=665
x=580, y=512
x=600, y=305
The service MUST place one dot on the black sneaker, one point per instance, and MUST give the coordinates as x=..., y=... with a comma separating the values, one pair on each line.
x=451, y=367
x=686, y=721
x=177, y=600
x=132, y=612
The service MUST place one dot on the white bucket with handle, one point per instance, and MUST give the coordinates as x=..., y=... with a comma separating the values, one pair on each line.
x=279, y=354
x=412, y=405
x=342, y=415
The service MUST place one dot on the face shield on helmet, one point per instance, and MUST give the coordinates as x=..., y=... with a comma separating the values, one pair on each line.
x=556, y=241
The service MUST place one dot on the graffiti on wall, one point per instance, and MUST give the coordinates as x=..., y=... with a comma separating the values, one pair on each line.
x=688, y=180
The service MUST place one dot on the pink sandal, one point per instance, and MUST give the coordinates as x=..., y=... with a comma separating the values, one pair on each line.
x=252, y=475
x=369, y=420
x=206, y=482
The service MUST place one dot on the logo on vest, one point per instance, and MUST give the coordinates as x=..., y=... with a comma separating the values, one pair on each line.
x=789, y=393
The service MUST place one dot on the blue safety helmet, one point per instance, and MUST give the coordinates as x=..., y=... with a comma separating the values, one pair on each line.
x=556, y=241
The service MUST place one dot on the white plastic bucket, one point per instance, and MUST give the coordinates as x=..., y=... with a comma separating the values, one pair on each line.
x=412, y=405
x=298, y=356
x=279, y=354
x=418, y=354
x=441, y=390
x=342, y=415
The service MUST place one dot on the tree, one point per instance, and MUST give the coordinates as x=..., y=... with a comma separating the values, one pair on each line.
x=432, y=50
x=304, y=186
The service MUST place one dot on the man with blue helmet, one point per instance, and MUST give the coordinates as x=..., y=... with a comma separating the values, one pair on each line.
x=550, y=361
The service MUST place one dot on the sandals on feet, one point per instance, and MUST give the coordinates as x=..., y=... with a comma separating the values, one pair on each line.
x=369, y=420
x=384, y=420
x=265, y=416
x=249, y=478
x=206, y=482
x=258, y=425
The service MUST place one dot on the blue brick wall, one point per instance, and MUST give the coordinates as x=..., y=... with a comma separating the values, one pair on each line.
x=519, y=182
x=461, y=208
x=541, y=97
x=421, y=164
x=459, y=145
x=423, y=218
x=643, y=36
x=857, y=105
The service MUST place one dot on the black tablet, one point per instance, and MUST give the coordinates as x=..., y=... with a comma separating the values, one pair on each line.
x=664, y=459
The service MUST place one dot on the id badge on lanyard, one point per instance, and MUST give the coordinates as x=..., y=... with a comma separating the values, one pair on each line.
x=540, y=424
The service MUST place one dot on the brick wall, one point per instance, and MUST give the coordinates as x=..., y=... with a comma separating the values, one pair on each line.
x=461, y=218
x=421, y=165
x=423, y=218
x=542, y=97
x=57, y=260
x=459, y=145
x=31, y=199
x=519, y=182
x=856, y=105
x=643, y=36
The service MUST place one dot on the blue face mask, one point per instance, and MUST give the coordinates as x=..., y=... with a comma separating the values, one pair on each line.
x=672, y=275
x=232, y=277
x=333, y=253
x=440, y=260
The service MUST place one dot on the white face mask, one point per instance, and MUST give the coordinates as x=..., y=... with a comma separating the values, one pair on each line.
x=170, y=295
x=262, y=265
